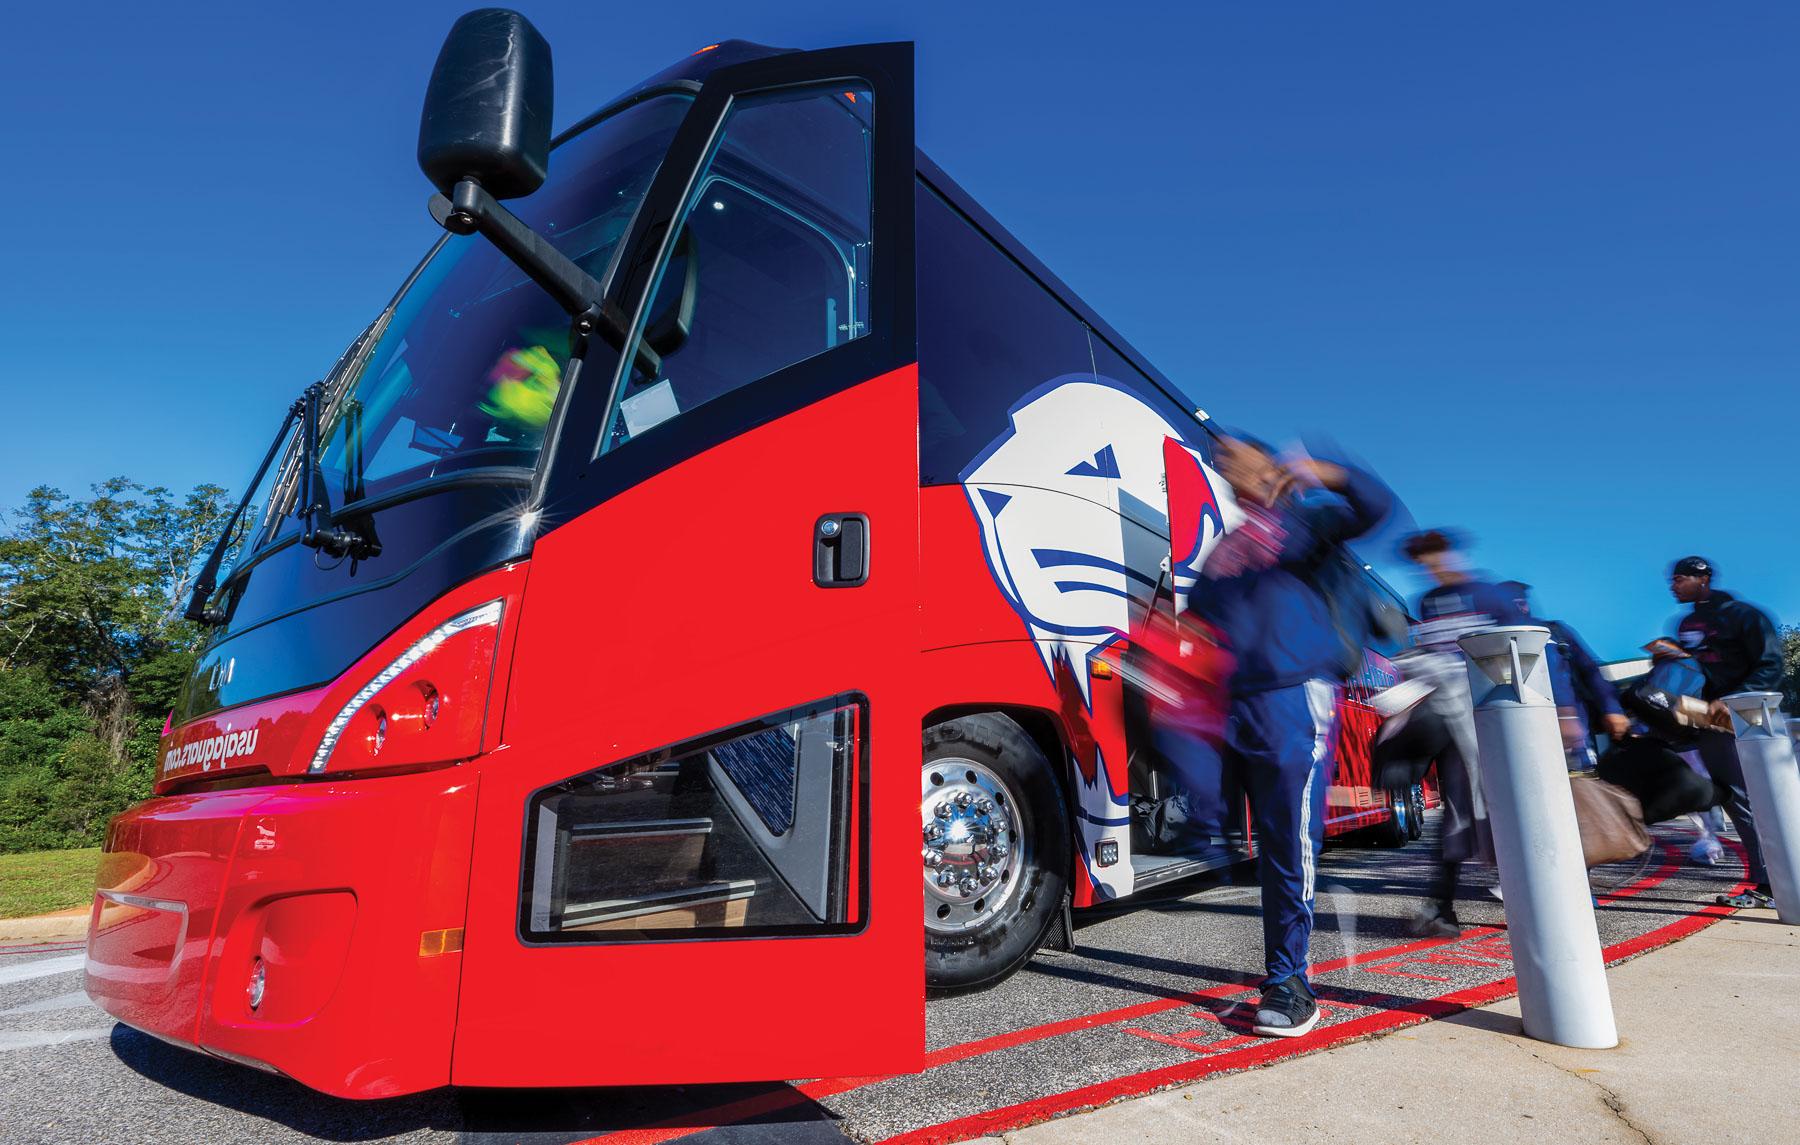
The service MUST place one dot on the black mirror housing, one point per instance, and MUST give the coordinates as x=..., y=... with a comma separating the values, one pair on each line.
x=488, y=106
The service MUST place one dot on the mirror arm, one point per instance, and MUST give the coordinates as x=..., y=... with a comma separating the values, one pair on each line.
x=473, y=210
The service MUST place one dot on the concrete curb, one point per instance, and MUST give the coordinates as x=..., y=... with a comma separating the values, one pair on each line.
x=62, y=924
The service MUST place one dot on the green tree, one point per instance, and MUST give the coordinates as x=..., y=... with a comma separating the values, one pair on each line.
x=93, y=649
x=1790, y=669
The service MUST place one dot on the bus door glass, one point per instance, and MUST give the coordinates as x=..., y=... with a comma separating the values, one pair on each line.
x=697, y=857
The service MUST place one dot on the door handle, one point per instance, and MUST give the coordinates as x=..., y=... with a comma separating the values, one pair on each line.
x=841, y=550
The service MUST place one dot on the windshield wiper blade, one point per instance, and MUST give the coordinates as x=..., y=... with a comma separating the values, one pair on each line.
x=315, y=502
x=208, y=581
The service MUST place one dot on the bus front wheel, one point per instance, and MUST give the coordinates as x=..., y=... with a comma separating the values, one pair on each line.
x=995, y=849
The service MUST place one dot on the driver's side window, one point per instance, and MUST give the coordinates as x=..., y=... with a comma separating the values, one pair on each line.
x=772, y=257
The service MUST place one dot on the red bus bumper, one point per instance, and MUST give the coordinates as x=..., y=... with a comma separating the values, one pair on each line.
x=351, y=895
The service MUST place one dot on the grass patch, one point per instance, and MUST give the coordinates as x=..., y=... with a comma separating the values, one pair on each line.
x=42, y=881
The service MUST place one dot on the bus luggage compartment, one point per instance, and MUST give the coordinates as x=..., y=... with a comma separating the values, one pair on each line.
x=313, y=929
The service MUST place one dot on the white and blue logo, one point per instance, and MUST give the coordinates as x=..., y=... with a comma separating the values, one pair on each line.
x=1070, y=500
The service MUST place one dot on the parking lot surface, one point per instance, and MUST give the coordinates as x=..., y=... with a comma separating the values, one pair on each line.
x=1154, y=996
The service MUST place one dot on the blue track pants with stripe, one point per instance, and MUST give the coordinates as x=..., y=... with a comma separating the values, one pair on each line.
x=1279, y=745
x=1282, y=741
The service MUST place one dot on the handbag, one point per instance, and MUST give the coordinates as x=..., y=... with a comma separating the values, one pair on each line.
x=1610, y=820
x=1665, y=786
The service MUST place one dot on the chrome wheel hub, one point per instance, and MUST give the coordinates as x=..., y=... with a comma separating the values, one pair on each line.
x=971, y=844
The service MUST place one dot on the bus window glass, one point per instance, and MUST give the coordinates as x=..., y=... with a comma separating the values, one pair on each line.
x=989, y=334
x=773, y=251
x=466, y=371
x=743, y=833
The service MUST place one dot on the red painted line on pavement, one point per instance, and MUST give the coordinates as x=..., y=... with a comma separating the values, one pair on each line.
x=1262, y=1051
x=1272, y=1050
x=1388, y=968
x=826, y=1087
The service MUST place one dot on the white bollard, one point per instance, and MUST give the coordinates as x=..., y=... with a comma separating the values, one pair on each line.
x=1772, y=779
x=1549, y=909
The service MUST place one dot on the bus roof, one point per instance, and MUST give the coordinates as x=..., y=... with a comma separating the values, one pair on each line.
x=689, y=73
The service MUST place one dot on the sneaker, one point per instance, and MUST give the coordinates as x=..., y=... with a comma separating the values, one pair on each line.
x=1287, y=1009
x=1431, y=922
x=1754, y=898
x=1706, y=852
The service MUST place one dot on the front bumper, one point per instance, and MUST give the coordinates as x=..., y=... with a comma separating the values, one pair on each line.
x=351, y=895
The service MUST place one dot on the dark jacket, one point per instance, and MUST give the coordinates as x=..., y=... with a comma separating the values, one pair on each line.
x=1575, y=676
x=1735, y=644
x=1451, y=611
x=1275, y=617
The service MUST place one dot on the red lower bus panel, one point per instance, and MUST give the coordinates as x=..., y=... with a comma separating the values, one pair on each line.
x=155, y=905
x=309, y=880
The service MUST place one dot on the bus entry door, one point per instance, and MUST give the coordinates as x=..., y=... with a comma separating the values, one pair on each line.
x=697, y=854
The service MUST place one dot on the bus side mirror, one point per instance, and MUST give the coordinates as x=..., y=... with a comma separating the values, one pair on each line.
x=488, y=106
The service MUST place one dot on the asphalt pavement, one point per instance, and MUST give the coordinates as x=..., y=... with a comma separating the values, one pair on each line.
x=1154, y=997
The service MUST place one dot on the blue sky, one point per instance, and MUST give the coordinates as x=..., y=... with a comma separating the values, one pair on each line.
x=1538, y=264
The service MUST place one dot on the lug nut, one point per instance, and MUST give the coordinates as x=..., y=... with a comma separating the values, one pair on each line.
x=942, y=810
x=967, y=886
x=999, y=849
x=963, y=799
x=986, y=806
x=933, y=859
x=946, y=878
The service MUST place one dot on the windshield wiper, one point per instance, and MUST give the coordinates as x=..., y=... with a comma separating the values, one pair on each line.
x=208, y=581
x=317, y=530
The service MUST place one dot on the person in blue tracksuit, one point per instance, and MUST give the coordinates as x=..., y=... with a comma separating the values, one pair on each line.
x=1583, y=696
x=1276, y=590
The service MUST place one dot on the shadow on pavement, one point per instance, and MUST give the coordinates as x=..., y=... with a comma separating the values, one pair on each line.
x=280, y=1099
x=1489, y=1021
x=755, y=1114
x=752, y=1114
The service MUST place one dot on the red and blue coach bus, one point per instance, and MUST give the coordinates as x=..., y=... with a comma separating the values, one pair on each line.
x=565, y=696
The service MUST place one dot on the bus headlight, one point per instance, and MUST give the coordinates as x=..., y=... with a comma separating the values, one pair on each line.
x=432, y=700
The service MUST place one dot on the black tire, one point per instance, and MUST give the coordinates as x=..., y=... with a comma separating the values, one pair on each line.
x=1415, y=811
x=1001, y=944
x=1395, y=831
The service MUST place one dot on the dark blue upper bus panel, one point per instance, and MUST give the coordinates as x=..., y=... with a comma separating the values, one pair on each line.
x=1006, y=351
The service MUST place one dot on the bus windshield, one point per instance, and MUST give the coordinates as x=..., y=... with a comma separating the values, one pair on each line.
x=465, y=371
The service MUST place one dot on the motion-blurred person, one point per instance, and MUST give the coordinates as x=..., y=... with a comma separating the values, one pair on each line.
x=1458, y=603
x=1581, y=692
x=1737, y=649
x=1271, y=588
x=1665, y=703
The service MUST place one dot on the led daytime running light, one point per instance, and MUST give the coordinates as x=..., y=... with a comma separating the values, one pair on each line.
x=487, y=614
